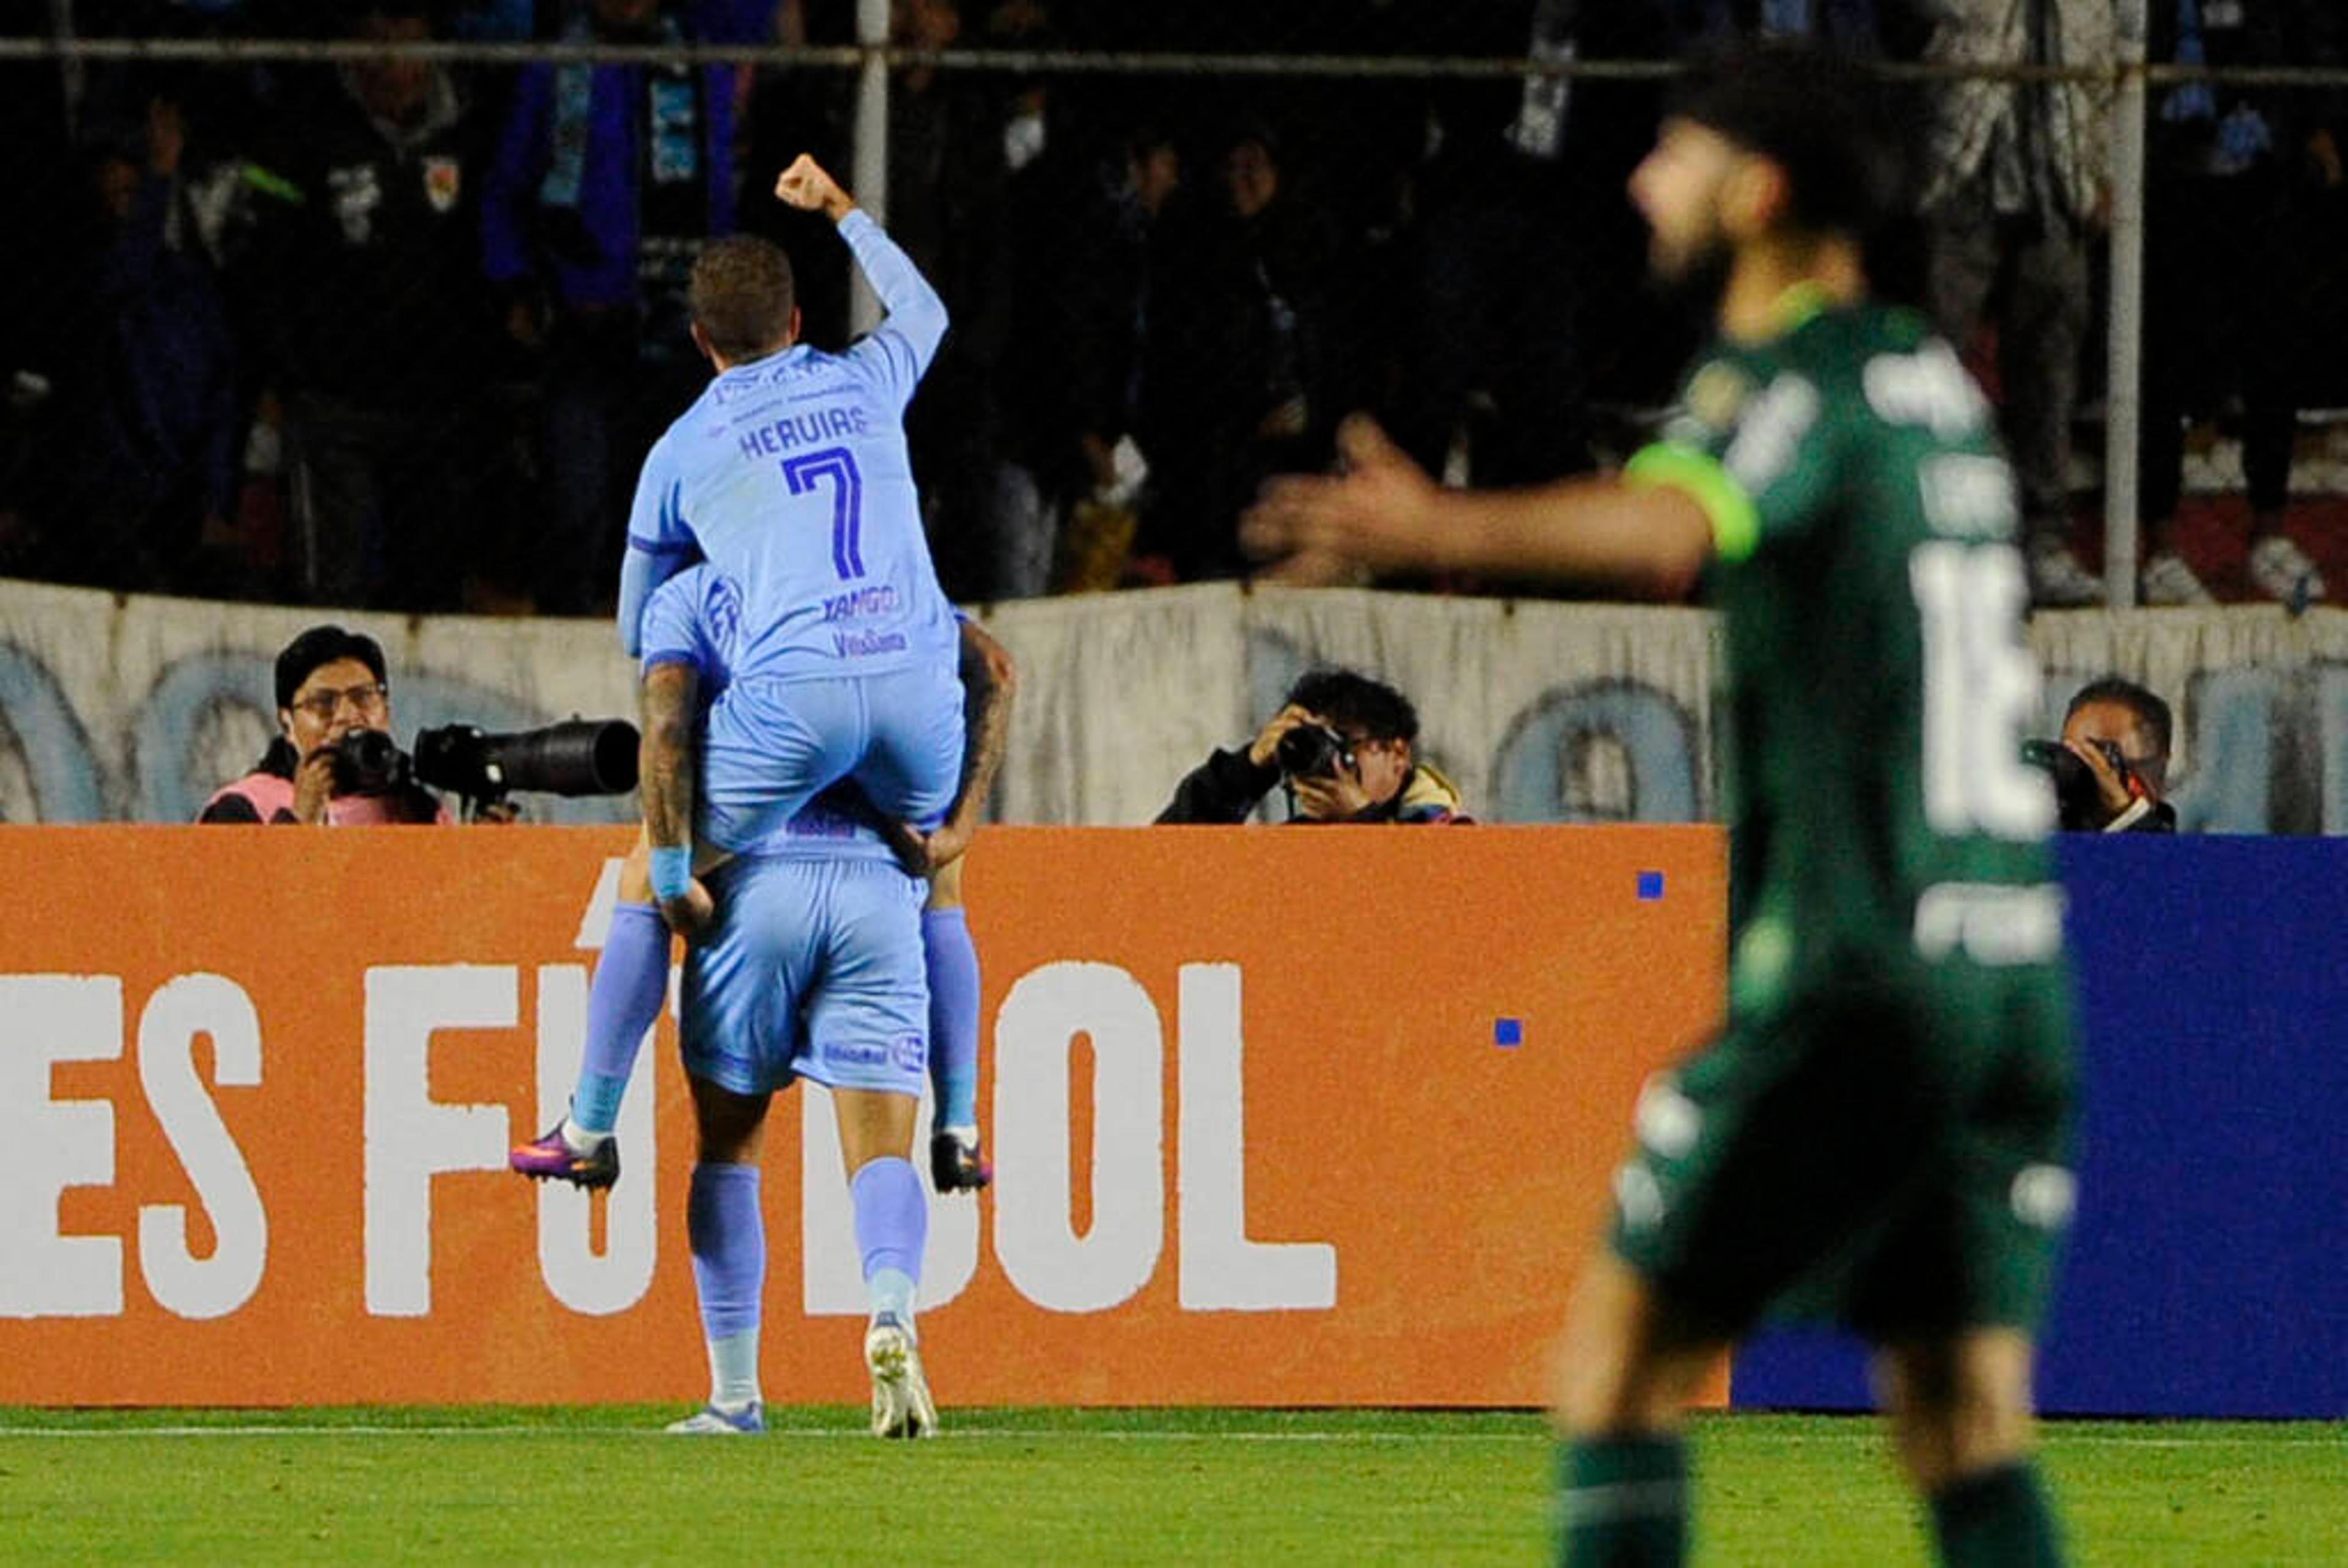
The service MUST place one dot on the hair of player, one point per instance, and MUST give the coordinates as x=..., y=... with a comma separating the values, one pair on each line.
x=1823, y=120
x=2151, y=712
x=741, y=296
x=321, y=646
x=1357, y=703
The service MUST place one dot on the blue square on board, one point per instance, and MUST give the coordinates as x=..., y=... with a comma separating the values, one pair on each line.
x=1508, y=1031
x=1651, y=885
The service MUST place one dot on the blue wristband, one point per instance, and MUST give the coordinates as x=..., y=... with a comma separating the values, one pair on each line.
x=672, y=871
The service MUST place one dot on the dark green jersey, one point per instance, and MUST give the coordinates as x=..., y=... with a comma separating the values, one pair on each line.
x=1878, y=681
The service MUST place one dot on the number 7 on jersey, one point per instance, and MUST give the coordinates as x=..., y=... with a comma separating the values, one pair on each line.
x=837, y=466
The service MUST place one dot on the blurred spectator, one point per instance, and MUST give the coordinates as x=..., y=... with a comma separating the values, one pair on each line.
x=1523, y=233
x=1236, y=356
x=380, y=321
x=792, y=110
x=38, y=169
x=948, y=170
x=606, y=183
x=1081, y=207
x=2231, y=272
x=144, y=458
x=2014, y=184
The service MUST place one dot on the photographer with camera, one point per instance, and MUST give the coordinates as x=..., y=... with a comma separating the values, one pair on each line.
x=333, y=762
x=2112, y=763
x=1342, y=746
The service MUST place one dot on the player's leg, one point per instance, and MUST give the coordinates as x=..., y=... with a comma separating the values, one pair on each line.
x=893, y=1223
x=866, y=1037
x=1951, y=1293
x=742, y=987
x=1961, y=1418
x=1757, y=1161
x=726, y=1233
x=624, y=1002
x=957, y=1163
x=1628, y=1364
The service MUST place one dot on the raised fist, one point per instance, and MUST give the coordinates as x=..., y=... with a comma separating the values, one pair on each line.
x=806, y=185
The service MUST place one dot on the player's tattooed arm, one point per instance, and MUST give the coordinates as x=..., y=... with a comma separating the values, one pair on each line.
x=664, y=779
x=990, y=680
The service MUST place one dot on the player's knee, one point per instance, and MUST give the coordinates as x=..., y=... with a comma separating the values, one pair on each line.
x=1621, y=1366
x=1958, y=1407
x=874, y=1124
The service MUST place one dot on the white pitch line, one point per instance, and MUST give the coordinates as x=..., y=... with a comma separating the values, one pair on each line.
x=280, y=1430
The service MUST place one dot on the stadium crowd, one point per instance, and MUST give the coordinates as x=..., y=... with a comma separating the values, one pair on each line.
x=395, y=334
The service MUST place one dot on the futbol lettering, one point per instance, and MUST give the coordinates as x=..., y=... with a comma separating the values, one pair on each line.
x=53, y=1140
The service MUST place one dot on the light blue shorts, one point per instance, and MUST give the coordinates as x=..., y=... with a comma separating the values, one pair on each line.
x=772, y=746
x=814, y=970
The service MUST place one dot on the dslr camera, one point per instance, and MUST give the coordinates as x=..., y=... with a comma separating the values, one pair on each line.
x=2079, y=802
x=369, y=761
x=1313, y=752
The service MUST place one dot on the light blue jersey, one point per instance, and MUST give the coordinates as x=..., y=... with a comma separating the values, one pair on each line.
x=814, y=968
x=790, y=474
x=694, y=617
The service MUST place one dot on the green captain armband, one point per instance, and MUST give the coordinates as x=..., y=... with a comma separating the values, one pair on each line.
x=1698, y=475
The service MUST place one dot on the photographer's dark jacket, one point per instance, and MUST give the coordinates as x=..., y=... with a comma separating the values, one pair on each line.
x=1227, y=784
x=266, y=795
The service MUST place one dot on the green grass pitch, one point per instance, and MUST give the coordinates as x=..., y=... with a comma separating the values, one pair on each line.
x=1282, y=1488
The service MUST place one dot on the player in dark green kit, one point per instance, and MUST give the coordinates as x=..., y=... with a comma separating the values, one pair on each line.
x=1879, y=1134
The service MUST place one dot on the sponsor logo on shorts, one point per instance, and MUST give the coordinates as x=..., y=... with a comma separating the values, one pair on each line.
x=910, y=1052
x=904, y=1053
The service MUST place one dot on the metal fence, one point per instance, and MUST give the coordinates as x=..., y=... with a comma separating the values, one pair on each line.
x=373, y=320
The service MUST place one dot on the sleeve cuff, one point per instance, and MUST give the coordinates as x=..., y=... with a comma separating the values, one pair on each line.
x=1698, y=475
x=2138, y=809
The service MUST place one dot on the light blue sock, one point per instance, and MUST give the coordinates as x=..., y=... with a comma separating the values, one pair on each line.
x=629, y=985
x=728, y=1238
x=892, y=1228
x=951, y=958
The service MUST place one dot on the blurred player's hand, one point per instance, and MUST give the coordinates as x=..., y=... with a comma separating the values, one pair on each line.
x=1378, y=510
x=805, y=186
x=690, y=914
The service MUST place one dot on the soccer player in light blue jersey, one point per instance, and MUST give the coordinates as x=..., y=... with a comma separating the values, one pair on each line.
x=807, y=964
x=790, y=474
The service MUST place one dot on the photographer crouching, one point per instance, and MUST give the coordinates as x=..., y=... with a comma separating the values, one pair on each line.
x=2111, y=765
x=1341, y=747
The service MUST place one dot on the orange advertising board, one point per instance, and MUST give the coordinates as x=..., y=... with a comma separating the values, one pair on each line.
x=1278, y=1118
